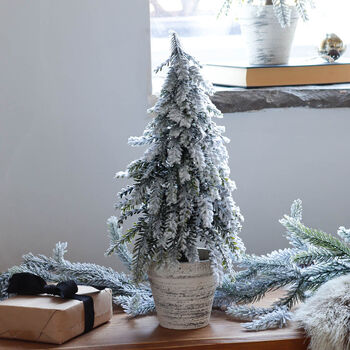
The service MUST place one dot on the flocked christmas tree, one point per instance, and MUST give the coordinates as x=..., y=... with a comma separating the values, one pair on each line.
x=181, y=188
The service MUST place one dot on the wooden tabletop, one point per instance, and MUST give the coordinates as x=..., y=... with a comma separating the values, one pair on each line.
x=145, y=333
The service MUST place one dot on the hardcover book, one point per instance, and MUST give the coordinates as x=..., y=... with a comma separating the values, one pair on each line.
x=310, y=73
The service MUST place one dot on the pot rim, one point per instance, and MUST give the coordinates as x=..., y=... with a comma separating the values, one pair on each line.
x=200, y=250
x=268, y=10
x=200, y=261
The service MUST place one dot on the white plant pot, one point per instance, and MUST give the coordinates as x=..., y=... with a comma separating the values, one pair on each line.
x=184, y=295
x=267, y=42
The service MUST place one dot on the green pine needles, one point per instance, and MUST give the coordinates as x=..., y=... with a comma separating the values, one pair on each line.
x=57, y=269
x=315, y=258
x=181, y=193
x=282, y=8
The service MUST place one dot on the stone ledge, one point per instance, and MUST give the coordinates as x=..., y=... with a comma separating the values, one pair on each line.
x=231, y=100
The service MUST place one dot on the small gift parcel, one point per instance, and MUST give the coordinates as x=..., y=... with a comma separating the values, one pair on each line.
x=52, y=318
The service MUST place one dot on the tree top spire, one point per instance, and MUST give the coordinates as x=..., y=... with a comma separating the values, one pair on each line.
x=176, y=47
x=176, y=52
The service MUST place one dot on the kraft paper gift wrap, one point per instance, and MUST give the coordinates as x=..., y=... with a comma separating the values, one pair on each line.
x=51, y=319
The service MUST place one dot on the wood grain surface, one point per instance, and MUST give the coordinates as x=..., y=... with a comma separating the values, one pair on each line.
x=145, y=333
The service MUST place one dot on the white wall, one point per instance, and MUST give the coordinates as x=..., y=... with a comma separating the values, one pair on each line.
x=73, y=87
x=279, y=155
x=74, y=83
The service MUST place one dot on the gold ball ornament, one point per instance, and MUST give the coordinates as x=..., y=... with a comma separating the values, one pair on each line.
x=331, y=47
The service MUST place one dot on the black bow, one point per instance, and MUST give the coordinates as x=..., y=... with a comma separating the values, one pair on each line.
x=26, y=283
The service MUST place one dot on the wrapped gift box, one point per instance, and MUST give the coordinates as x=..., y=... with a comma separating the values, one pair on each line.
x=51, y=319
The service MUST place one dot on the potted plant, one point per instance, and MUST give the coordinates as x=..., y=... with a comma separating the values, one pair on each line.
x=268, y=27
x=181, y=193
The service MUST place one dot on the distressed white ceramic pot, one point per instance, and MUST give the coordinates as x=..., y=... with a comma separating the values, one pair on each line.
x=184, y=295
x=267, y=42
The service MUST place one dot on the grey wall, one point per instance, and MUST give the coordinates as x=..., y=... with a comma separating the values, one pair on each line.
x=74, y=85
x=279, y=155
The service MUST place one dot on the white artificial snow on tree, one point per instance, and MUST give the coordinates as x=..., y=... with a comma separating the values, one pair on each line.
x=181, y=187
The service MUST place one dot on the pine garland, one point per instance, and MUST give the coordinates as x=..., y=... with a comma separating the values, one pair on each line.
x=275, y=318
x=4, y=278
x=56, y=269
x=315, y=258
x=135, y=299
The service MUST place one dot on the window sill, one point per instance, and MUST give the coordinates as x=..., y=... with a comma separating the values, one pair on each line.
x=231, y=100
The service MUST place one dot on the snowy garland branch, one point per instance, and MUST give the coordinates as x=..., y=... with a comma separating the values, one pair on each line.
x=56, y=269
x=136, y=300
x=315, y=258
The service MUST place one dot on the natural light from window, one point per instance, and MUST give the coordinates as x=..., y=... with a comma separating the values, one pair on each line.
x=218, y=40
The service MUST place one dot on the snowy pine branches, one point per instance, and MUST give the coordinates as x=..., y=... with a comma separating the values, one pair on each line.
x=57, y=268
x=315, y=258
x=261, y=318
x=282, y=11
x=282, y=8
x=181, y=190
x=4, y=278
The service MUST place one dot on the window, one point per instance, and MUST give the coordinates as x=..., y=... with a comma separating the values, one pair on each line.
x=212, y=39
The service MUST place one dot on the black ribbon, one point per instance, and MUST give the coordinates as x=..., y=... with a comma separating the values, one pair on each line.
x=26, y=283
